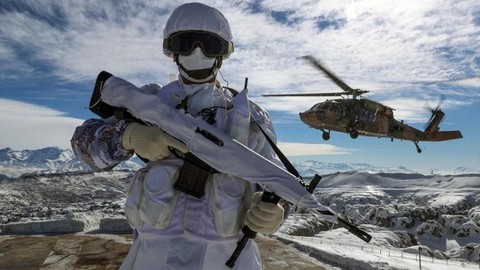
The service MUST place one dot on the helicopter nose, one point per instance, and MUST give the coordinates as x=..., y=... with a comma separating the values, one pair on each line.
x=304, y=116
x=309, y=117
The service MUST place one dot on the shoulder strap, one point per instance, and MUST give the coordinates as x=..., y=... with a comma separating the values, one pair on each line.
x=291, y=169
x=288, y=165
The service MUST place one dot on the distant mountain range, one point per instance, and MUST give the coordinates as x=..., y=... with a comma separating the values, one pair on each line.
x=14, y=163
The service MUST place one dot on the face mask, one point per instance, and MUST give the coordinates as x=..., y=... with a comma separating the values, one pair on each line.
x=196, y=67
x=196, y=60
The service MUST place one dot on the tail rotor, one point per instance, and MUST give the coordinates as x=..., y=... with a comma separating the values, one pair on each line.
x=436, y=118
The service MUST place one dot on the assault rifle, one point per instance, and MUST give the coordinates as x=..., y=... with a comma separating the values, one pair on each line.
x=119, y=98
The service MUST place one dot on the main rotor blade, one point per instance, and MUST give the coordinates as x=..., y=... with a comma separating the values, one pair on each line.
x=427, y=82
x=330, y=74
x=306, y=95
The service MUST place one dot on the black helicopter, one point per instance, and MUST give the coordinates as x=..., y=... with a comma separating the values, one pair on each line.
x=360, y=116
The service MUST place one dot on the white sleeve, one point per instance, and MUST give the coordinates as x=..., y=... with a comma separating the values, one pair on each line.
x=257, y=140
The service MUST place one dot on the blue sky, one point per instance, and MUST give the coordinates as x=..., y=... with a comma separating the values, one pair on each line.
x=407, y=53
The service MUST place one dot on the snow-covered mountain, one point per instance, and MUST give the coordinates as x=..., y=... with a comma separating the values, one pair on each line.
x=14, y=163
x=312, y=167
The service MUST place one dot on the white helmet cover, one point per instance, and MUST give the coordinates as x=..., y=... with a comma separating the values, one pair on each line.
x=197, y=17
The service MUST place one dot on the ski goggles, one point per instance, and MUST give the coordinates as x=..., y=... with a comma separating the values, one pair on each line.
x=185, y=42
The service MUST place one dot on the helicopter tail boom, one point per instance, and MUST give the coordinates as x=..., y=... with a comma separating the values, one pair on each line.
x=443, y=135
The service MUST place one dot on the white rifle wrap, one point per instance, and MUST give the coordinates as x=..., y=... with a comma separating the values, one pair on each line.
x=222, y=153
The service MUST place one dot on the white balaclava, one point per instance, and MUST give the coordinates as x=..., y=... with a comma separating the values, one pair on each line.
x=197, y=67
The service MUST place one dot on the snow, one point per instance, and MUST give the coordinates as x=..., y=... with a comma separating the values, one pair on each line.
x=351, y=254
x=403, y=212
x=14, y=163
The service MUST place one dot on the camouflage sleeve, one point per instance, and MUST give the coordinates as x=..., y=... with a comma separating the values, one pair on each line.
x=98, y=143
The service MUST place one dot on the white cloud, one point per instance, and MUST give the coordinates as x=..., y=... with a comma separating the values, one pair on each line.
x=78, y=39
x=376, y=40
x=305, y=149
x=372, y=43
x=28, y=126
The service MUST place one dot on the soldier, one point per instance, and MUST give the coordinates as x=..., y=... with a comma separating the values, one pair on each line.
x=185, y=216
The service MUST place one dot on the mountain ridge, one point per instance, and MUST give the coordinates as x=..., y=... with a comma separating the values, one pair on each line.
x=14, y=163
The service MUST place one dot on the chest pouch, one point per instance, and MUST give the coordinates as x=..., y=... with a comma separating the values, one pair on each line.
x=193, y=176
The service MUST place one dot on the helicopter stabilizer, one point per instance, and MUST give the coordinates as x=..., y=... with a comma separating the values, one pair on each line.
x=443, y=136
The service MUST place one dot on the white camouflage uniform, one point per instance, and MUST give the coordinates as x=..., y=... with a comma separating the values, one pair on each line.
x=175, y=230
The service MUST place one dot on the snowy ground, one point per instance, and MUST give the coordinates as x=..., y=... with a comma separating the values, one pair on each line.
x=403, y=212
x=347, y=255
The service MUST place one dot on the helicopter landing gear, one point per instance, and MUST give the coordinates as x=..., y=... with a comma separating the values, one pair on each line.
x=326, y=135
x=353, y=133
x=418, y=148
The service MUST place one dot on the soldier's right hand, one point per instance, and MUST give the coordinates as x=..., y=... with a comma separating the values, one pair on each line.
x=150, y=142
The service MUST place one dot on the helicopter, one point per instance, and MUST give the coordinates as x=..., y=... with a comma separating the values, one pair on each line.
x=359, y=116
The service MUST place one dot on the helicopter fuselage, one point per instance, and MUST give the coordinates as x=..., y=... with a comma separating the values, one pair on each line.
x=359, y=117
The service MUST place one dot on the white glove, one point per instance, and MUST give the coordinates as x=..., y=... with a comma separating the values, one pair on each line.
x=264, y=217
x=150, y=142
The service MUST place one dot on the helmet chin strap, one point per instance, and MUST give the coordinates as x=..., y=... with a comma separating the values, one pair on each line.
x=200, y=75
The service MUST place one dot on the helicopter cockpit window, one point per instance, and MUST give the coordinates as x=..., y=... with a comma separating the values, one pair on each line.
x=319, y=106
x=333, y=107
